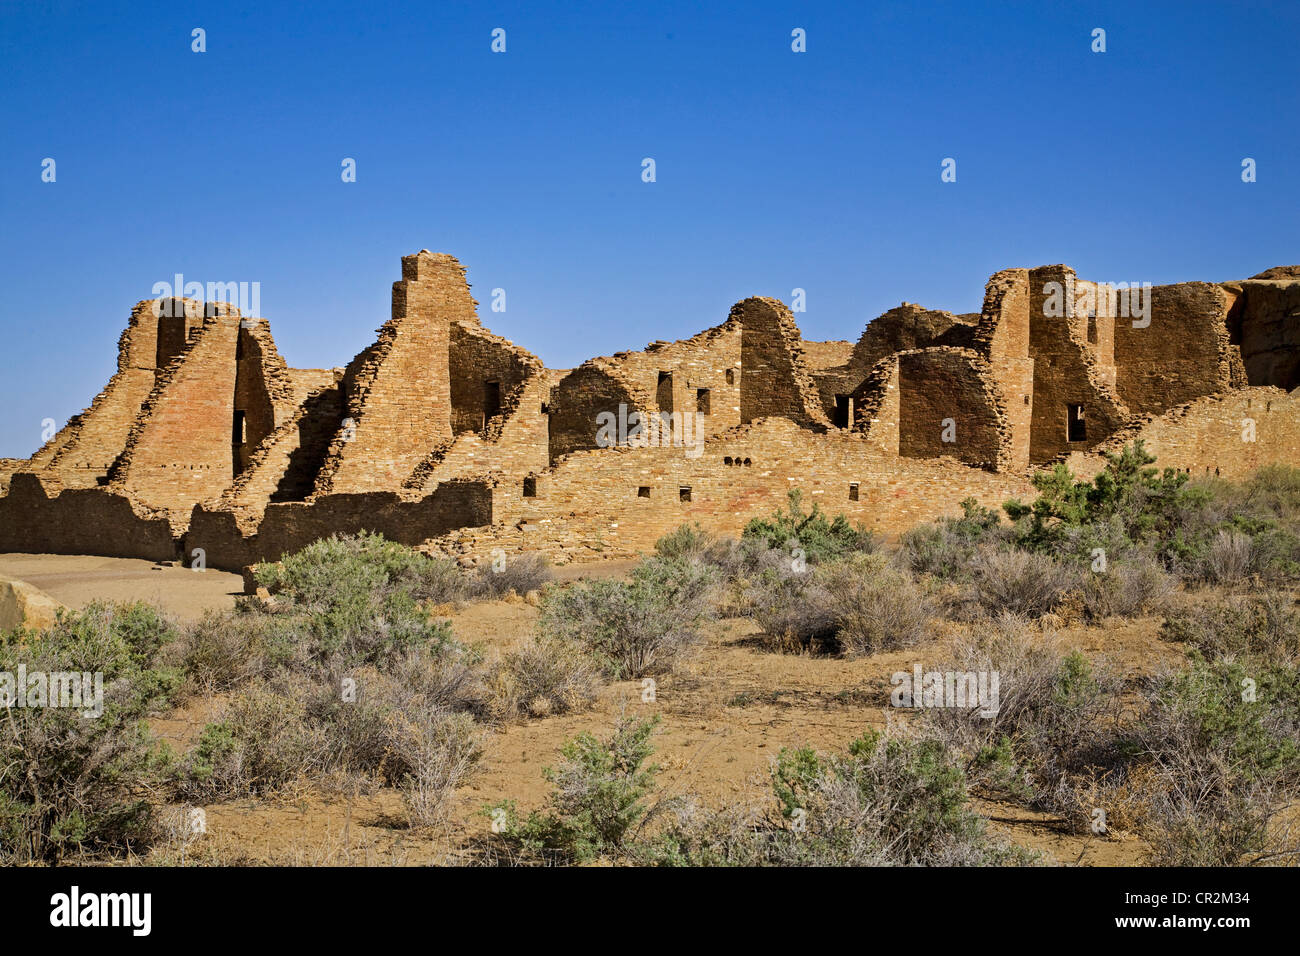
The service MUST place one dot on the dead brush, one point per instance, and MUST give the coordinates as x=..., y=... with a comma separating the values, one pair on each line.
x=541, y=676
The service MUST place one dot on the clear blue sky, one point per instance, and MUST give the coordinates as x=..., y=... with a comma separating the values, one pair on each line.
x=775, y=170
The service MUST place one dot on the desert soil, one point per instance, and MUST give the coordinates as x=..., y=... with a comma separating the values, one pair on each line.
x=725, y=715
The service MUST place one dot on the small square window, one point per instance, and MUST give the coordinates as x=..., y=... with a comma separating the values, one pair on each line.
x=684, y=493
x=643, y=491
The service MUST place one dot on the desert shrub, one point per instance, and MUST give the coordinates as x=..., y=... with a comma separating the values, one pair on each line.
x=794, y=607
x=946, y=548
x=332, y=571
x=224, y=648
x=72, y=779
x=1020, y=582
x=397, y=726
x=687, y=541
x=936, y=549
x=543, y=676
x=521, y=573
x=874, y=606
x=599, y=799
x=820, y=539
x=1224, y=740
x=636, y=627
x=1228, y=558
x=1264, y=625
x=891, y=800
x=741, y=566
x=434, y=753
x=1126, y=589
x=263, y=741
x=345, y=672
x=1055, y=726
x=356, y=600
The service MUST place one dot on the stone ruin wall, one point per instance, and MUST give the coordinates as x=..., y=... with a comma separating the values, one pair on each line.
x=1183, y=354
x=441, y=433
x=1068, y=371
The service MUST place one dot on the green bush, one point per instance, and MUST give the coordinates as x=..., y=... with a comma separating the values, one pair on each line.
x=1223, y=740
x=634, y=627
x=687, y=541
x=70, y=781
x=358, y=599
x=888, y=801
x=1263, y=625
x=599, y=799
x=819, y=538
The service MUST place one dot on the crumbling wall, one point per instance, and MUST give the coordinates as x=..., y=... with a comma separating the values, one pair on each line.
x=876, y=412
x=909, y=326
x=774, y=381
x=948, y=405
x=515, y=444
x=1002, y=337
x=1067, y=372
x=1228, y=435
x=596, y=387
x=82, y=452
x=39, y=516
x=618, y=501
x=480, y=359
x=397, y=391
x=286, y=464
x=265, y=393
x=1182, y=354
x=1264, y=323
x=180, y=448
x=285, y=528
x=698, y=378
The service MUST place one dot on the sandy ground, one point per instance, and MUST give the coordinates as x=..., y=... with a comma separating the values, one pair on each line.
x=76, y=580
x=725, y=715
x=724, y=718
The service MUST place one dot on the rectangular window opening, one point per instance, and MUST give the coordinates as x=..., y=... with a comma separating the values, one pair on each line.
x=843, y=411
x=664, y=392
x=853, y=491
x=491, y=400
x=1075, y=429
x=643, y=491
x=530, y=487
x=684, y=493
x=702, y=401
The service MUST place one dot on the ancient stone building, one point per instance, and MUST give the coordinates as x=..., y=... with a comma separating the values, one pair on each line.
x=205, y=445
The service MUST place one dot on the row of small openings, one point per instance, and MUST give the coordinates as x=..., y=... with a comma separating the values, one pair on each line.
x=736, y=461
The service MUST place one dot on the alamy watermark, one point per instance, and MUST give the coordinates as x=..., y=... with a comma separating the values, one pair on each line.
x=246, y=296
x=632, y=429
x=80, y=690
x=963, y=690
x=1123, y=300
